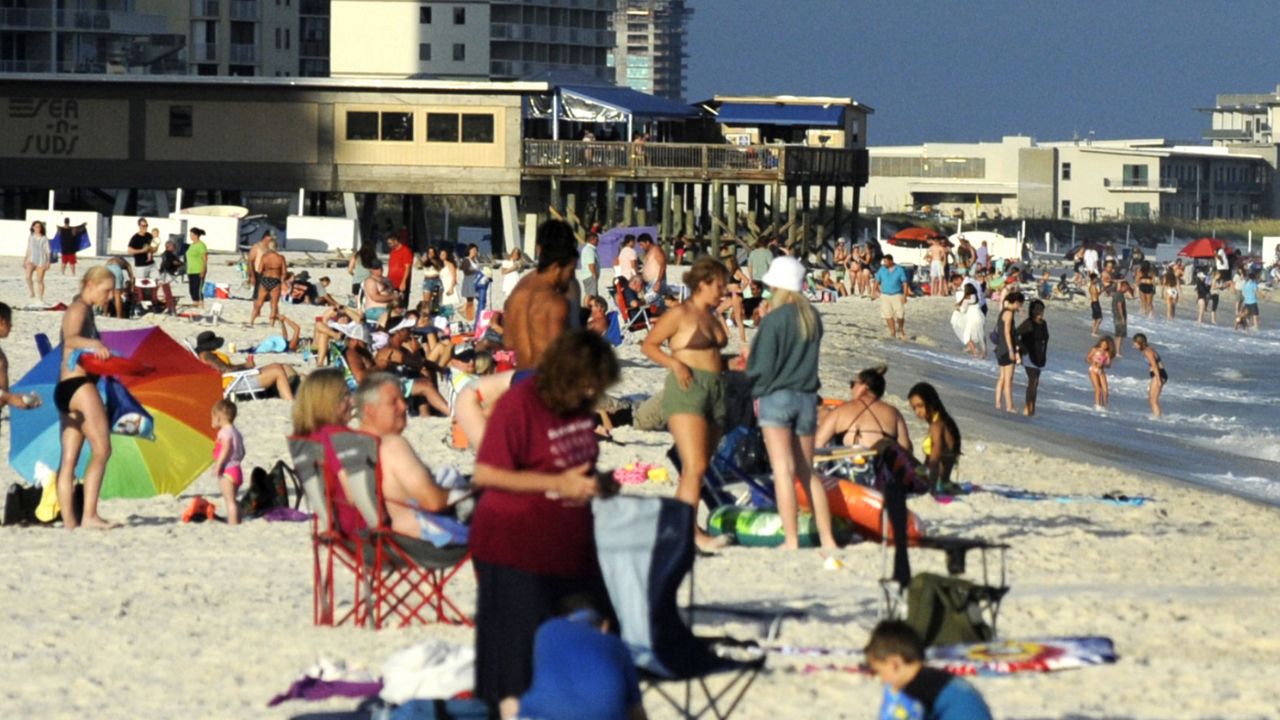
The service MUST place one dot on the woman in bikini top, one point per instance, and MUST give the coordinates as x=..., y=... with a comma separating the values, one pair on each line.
x=885, y=420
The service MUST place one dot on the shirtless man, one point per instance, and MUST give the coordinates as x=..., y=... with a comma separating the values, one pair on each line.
x=865, y=419
x=256, y=251
x=655, y=265
x=417, y=378
x=537, y=311
x=269, y=271
x=1095, y=302
x=937, y=268
x=406, y=481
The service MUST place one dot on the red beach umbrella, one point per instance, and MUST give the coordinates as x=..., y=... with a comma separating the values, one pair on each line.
x=1202, y=248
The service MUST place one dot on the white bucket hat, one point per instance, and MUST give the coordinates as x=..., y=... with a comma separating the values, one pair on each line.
x=785, y=273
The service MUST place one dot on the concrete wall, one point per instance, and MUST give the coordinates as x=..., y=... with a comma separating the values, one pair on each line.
x=1037, y=190
x=50, y=128
x=320, y=234
x=1092, y=168
x=95, y=223
x=123, y=227
x=249, y=132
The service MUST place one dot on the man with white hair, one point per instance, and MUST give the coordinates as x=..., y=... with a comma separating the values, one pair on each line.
x=408, y=485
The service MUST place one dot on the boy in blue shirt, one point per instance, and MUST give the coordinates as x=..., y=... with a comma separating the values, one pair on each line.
x=913, y=691
x=581, y=671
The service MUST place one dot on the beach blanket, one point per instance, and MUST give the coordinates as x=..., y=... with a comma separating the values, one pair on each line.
x=998, y=657
x=1014, y=493
x=311, y=688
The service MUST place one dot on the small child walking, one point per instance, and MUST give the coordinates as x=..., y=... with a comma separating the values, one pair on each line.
x=228, y=453
x=1099, y=359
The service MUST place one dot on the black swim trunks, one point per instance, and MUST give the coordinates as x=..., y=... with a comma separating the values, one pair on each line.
x=268, y=283
x=1095, y=310
x=66, y=389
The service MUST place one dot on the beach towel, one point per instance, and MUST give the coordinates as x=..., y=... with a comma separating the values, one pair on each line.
x=1015, y=493
x=433, y=669
x=272, y=344
x=998, y=657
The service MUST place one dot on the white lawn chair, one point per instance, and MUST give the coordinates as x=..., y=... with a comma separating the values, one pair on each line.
x=211, y=315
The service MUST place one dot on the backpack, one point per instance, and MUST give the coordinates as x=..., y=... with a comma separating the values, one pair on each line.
x=948, y=610
x=20, y=504
x=267, y=491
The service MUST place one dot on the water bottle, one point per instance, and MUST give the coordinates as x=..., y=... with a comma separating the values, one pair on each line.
x=32, y=399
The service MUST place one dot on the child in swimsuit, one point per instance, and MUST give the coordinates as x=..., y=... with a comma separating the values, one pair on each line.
x=1099, y=359
x=228, y=453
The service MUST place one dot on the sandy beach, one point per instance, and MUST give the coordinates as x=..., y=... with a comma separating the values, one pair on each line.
x=165, y=619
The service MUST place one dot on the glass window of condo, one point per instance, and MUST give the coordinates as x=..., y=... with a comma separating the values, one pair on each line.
x=459, y=52
x=459, y=16
x=1066, y=171
x=397, y=126
x=442, y=127
x=424, y=52
x=180, y=122
x=424, y=15
x=477, y=128
x=1066, y=208
x=362, y=126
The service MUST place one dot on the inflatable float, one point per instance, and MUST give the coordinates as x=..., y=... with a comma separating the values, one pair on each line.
x=863, y=507
x=753, y=527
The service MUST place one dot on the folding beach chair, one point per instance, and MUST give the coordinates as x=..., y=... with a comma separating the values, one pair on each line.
x=408, y=577
x=633, y=321
x=645, y=548
x=330, y=551
x=211, y=314
x=242, y=384
x=943, y=609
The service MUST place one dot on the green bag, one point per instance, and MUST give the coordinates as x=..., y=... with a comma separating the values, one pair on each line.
x=948, y=610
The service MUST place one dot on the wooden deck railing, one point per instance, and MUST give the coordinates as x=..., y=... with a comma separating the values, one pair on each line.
x=686, y=161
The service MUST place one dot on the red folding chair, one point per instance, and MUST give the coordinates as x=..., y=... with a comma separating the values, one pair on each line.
x=331, y=551
x=408, y=578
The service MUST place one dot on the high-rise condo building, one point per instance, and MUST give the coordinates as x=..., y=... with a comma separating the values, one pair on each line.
x=651, y=50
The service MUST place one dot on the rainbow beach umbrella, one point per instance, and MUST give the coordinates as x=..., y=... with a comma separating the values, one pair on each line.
x=177, y=393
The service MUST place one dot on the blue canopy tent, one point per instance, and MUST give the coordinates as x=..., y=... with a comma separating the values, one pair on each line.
x=744, y=114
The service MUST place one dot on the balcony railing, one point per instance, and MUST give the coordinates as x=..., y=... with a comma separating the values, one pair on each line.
x=205, y=9
x=245, y=10
x=243, y=54
x=25, y=66
x=25, y=18
x=789, y=163
x=1140, y=184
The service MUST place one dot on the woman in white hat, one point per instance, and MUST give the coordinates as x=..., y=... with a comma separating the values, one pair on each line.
x=783, y=369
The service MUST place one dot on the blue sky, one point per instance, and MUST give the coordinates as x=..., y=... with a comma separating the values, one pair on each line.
x=968, y=71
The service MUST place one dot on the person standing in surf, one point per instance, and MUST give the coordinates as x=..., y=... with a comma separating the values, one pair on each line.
x=1007, y=352
x=1155, y=366
x=1033, y=339
x=1099, y=359
x=1120, y=311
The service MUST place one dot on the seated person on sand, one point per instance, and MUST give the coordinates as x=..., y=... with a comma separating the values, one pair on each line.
x=598, y=315
x=865, y=419
x=329, y=327
x=122, y=271
x=408, y=486
x=401, y=359
x=941, y=447
x=268, y=376
x=301, y=291
x=633, y=294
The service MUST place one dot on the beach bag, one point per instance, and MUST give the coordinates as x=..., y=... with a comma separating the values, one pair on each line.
x=750, y=454
x=947, y=610
x=268, y=490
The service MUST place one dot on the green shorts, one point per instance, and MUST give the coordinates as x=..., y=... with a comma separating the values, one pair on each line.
x=705, y=396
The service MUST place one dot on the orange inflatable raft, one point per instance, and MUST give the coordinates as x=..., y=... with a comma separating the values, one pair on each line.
x=864, y=507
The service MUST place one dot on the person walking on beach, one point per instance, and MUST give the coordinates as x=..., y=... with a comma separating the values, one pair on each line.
x=1099, y=359
x=537, y=311
x=968, y=322
x=654, y=265
x=937, y=268
x=142, y=249
x=1120, y=311
x=1008, y=354
x=1146, y=279
x=270, y=269
x=1095, y=303
x=589, y=267
x=1169, y=282
x=81, y=414
x=693, y=397
x=1155, y=367
x=783, y=369
x=1033, y=340
x=893, y=289
x=69, y=243
x=36, y=262
x=197, y=263
x=1249, y=299
x=256, y=251
x=19, y=401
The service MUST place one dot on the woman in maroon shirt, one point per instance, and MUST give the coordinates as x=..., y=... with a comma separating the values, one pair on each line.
x=531, y=535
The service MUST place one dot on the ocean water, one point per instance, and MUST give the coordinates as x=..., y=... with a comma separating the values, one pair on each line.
x=1221, y=423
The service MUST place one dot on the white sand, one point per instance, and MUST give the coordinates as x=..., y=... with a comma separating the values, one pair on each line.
x=162, y=619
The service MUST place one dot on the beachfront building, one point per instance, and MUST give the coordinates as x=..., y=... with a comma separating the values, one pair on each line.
x=169, y=37
x=471, y=39
x=1243, y=123
x=107, y=36
x=651, y=53
x=1083, y=180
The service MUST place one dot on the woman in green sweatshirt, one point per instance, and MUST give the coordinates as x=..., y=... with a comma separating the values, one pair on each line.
x=783, y=369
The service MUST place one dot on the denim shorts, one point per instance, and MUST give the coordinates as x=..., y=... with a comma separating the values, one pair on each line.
x=791, y=409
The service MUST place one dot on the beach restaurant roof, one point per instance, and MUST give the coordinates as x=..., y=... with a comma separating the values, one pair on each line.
x=605, y=104
x=782, y=110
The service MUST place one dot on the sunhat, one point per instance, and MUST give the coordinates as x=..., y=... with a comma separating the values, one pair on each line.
x=208, y=341
x=785, y=273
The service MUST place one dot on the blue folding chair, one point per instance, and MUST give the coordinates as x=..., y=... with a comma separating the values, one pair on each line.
x=43, y=346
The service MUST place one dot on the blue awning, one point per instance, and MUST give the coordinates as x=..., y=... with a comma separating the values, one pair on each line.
x=743, y=114
x=630, y=102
